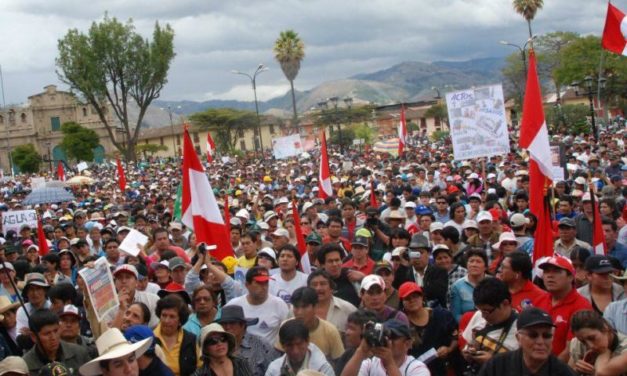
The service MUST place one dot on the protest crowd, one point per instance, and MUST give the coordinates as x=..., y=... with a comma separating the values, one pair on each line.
x=419, y=265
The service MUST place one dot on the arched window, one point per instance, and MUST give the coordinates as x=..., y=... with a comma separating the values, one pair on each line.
x=84, y=111
x=23, y=117
x=1, y=119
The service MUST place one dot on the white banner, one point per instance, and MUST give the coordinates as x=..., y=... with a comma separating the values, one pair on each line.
x=478, y=123
x=288, y=146
x=83, y=166
x=13, y=220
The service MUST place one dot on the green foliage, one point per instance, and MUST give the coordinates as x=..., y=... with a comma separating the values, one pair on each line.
x=527, y=8
x=78, y=142
x=227, y=123
x=363, y=131
x=343, y=115
x=151, y=149
x=438, y=111
x=348, y=135
x=568, y=119
x=289, y=51
x=440, y=135
x=412, y=127
x=26, y=158
x=111, y=65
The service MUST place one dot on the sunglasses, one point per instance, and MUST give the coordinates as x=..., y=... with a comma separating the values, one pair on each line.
x=534, y=335
x=215, y=340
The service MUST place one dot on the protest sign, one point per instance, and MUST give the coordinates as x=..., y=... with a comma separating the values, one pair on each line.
x=557, y=170
x=36, y=183
x=477, y=122
x=82, y=166
x=131, y=240
x=288, y=146
x=100, y=288
x=13, y=220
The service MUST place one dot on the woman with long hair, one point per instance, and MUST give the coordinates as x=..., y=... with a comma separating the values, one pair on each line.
x=217, y=348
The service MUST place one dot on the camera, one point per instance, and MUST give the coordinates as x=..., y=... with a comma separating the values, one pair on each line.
x=203, y=248
x=375, y=334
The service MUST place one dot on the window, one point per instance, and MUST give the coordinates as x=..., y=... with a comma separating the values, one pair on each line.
x=12, y=117
x=271, y=128
x=178, y=139
x=240, y=133
x=23, y=117
x=423, y=123
x=438, y=122
x=1, y=119
x=84, y=111
x=55, y=123
x=242, y=145
x=194, y=135
x=161, y=140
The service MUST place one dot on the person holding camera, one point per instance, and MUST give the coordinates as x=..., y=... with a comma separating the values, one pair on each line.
x=383, y=351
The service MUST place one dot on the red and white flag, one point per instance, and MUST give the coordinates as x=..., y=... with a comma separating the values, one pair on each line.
x=121, y=176
x=324, y=178
x=534, y=136
x=402, y=132
x=373, y=195
x=615, y=31
x=199, y=206
x=305, y=265
x=60, y=171
x=41, y=239
x=598, y=236
x=211, y=148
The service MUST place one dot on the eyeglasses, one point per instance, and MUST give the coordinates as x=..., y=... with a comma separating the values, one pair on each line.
x=215, y=340
x=534, y=335
x=441, y=202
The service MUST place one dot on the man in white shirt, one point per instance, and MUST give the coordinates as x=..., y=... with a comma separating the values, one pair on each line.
x=289, y=278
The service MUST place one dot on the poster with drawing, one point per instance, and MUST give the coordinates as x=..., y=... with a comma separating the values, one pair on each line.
x=477, y=121
x=288, y=146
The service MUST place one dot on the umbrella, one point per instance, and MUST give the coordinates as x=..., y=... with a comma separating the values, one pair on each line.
x=80, y=180
x=55, y=184
x=47, y=195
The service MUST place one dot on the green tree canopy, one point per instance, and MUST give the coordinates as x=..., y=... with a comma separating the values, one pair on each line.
x=438, y=111
x=79, y=142
x=227, y=124
x=151, y=149
x=112, y=65
x=289, y=51
x=26, y=158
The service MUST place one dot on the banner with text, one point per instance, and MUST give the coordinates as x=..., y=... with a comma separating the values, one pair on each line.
x=13, y=220
x=477, y=121
x=100, y=288
x=288, y=146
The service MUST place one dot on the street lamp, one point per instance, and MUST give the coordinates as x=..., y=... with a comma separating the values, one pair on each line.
x=334, y=102
x=172, y=131
x=521, y=49
x=588, y=81
x=253, y=80
x=438, y=96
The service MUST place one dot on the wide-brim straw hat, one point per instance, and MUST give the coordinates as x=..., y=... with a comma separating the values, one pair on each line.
x=113, y=345
x=5, y=305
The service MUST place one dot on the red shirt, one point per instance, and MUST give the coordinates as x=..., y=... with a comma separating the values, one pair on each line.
x=561, y=314
x=366, y=269
x=527, y=296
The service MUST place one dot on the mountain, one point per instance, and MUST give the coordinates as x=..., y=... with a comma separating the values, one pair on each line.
x=407, y=81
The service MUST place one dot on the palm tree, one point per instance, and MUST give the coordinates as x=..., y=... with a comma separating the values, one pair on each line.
x=528, y=9
x=289, y=51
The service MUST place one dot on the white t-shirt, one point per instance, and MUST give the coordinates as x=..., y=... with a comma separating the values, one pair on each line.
x=477, y=322
x=284, y=289
x=271, y=314
x=410, y=367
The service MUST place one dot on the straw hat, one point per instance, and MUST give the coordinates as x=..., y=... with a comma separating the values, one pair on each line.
x=216, y=328
x=5, y=305
x=13, y=364
x=113, y=345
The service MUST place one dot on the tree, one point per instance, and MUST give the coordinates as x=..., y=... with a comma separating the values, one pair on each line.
x=364, y=132
x=110, y=66
x=438, y=111
x=289, y=51
x=440, y=136
x=550, y=57
x=78, y=142
x=151, y=149
x=348, y=135
x=568, y=119
x=528, y=9
x=515, y=78
x=26, y=158
x=229, y=124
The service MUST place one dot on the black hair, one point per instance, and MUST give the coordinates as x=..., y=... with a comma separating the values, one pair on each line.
x=158, y=230
x=293, y=330
x=451, y=233
x=334, y=219
x=521, y=262
x=589, y=319
x=168, y=254
x=326, y=249
x=522, y=195
x=453, y=207
x=492, y=292
x=320, y=273
x=111, y=240
x=361, y=316
x=289, y=248
x=478, y=252
x=62, y=291
x=41, y=318
x=608, y=221
x=173, y=301
x=304, y=296
x=566, y=198
x=52, y=258
x=145, y=311
x=252, y=235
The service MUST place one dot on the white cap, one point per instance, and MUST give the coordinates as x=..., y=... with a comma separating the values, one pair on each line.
x=281, y=232
x=580, y=180
x=469, y=223
x=372, y=280
x=484, y=216
x=491, y=176
x=504, y=237
x=410, y=205
x=243, y=213
x=267, y=251
x=436, y=226
x=307, y=205
x=517, y=220
x=474, y=175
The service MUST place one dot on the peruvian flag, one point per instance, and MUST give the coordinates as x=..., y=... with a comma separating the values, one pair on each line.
x=615, y=31
x=373, y=196
x=121, y=176
x=200, y=208
x=534, y=137
x=41, y=239
x=324, y=178
x=300, y=240
x=402, y=132
x=211, y=148
x=598, y=237
x=60, y=171
x=227, y=216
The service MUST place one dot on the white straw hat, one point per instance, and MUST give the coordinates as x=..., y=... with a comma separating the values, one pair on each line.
x=113, y=345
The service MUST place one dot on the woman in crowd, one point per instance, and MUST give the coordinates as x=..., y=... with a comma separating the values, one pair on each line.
x=217, y=348
x=266, y=257
x=597, y=347
x=461, y=291
x=457, y=213
x=6, y=287
x=32, y=256
x=67, y=265
x=205, y=311
x=137, y=313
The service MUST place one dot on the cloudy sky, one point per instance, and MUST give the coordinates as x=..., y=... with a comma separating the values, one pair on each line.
x=342, y=37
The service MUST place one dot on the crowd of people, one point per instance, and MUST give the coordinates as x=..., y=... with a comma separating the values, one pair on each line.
x=420, y=265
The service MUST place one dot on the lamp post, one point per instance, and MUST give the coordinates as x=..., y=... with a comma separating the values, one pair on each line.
x=172, y=131
x=334, y=102
x=521, y=49
x=588, y=81
x=253, y=80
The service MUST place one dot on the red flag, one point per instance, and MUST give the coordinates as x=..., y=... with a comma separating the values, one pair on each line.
x=373, y=196
x=199, y=206
x=534, y=137
x=211, y=148
x=402, y=132
x=598, y=237
x=615, y=31
x=227, y=216
x=41, y=239
x=60, y=171
x=324, y=178
x=300, y=239
x=121, y=176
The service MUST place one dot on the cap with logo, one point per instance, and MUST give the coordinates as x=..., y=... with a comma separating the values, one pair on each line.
x=382, y=265
x=372, y=280
x=532, y=317
x=598, y=264
x=70, y=310
x=558, y=262
x=518, y=220
x=313, y=238
x=360, y=240
x=408, y=288
x=126, y=268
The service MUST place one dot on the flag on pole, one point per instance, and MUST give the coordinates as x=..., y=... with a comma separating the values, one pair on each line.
x=615, y=31
x=373, y=196
x=121, y=176
x=211, y=148
x=177, y=204
x=41, y=239
x=60, y=171
x=534, y=137
x=402, y=132
x=324, y=178
x=598, y=237
x=199, y=206
x=300, y=240
x=227, y=216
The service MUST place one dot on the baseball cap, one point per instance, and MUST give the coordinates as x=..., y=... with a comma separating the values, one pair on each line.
x=410, y=205
x=281, y=232
x=474, y=196
x=268, y=215
x=160, y=264
x=440, y=248
x=419, y=241
x=257, y=274
x=176, y=262
x=13, y=364
x=70, y=310
x=423, y=210
x=505, y=237
x=372, y=280
x=518, y=220
x=126, y=268
x=566, y=222
x=313, y=238
x=533, y=316
x=381, y=265
x=469, y=223
x=408, y=288
x=175, y=226
x=436, y=226
x=360, y=240
x=484, y=216
x=598, y=264
x=580, y=180
x=268, y=252
x=123, y=228
x=397, y=328
x=138, y=333
x=559, y=262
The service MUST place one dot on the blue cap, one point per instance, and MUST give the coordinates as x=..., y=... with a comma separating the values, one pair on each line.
x=423, y=210
x=398, y=328
x=137, y=333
